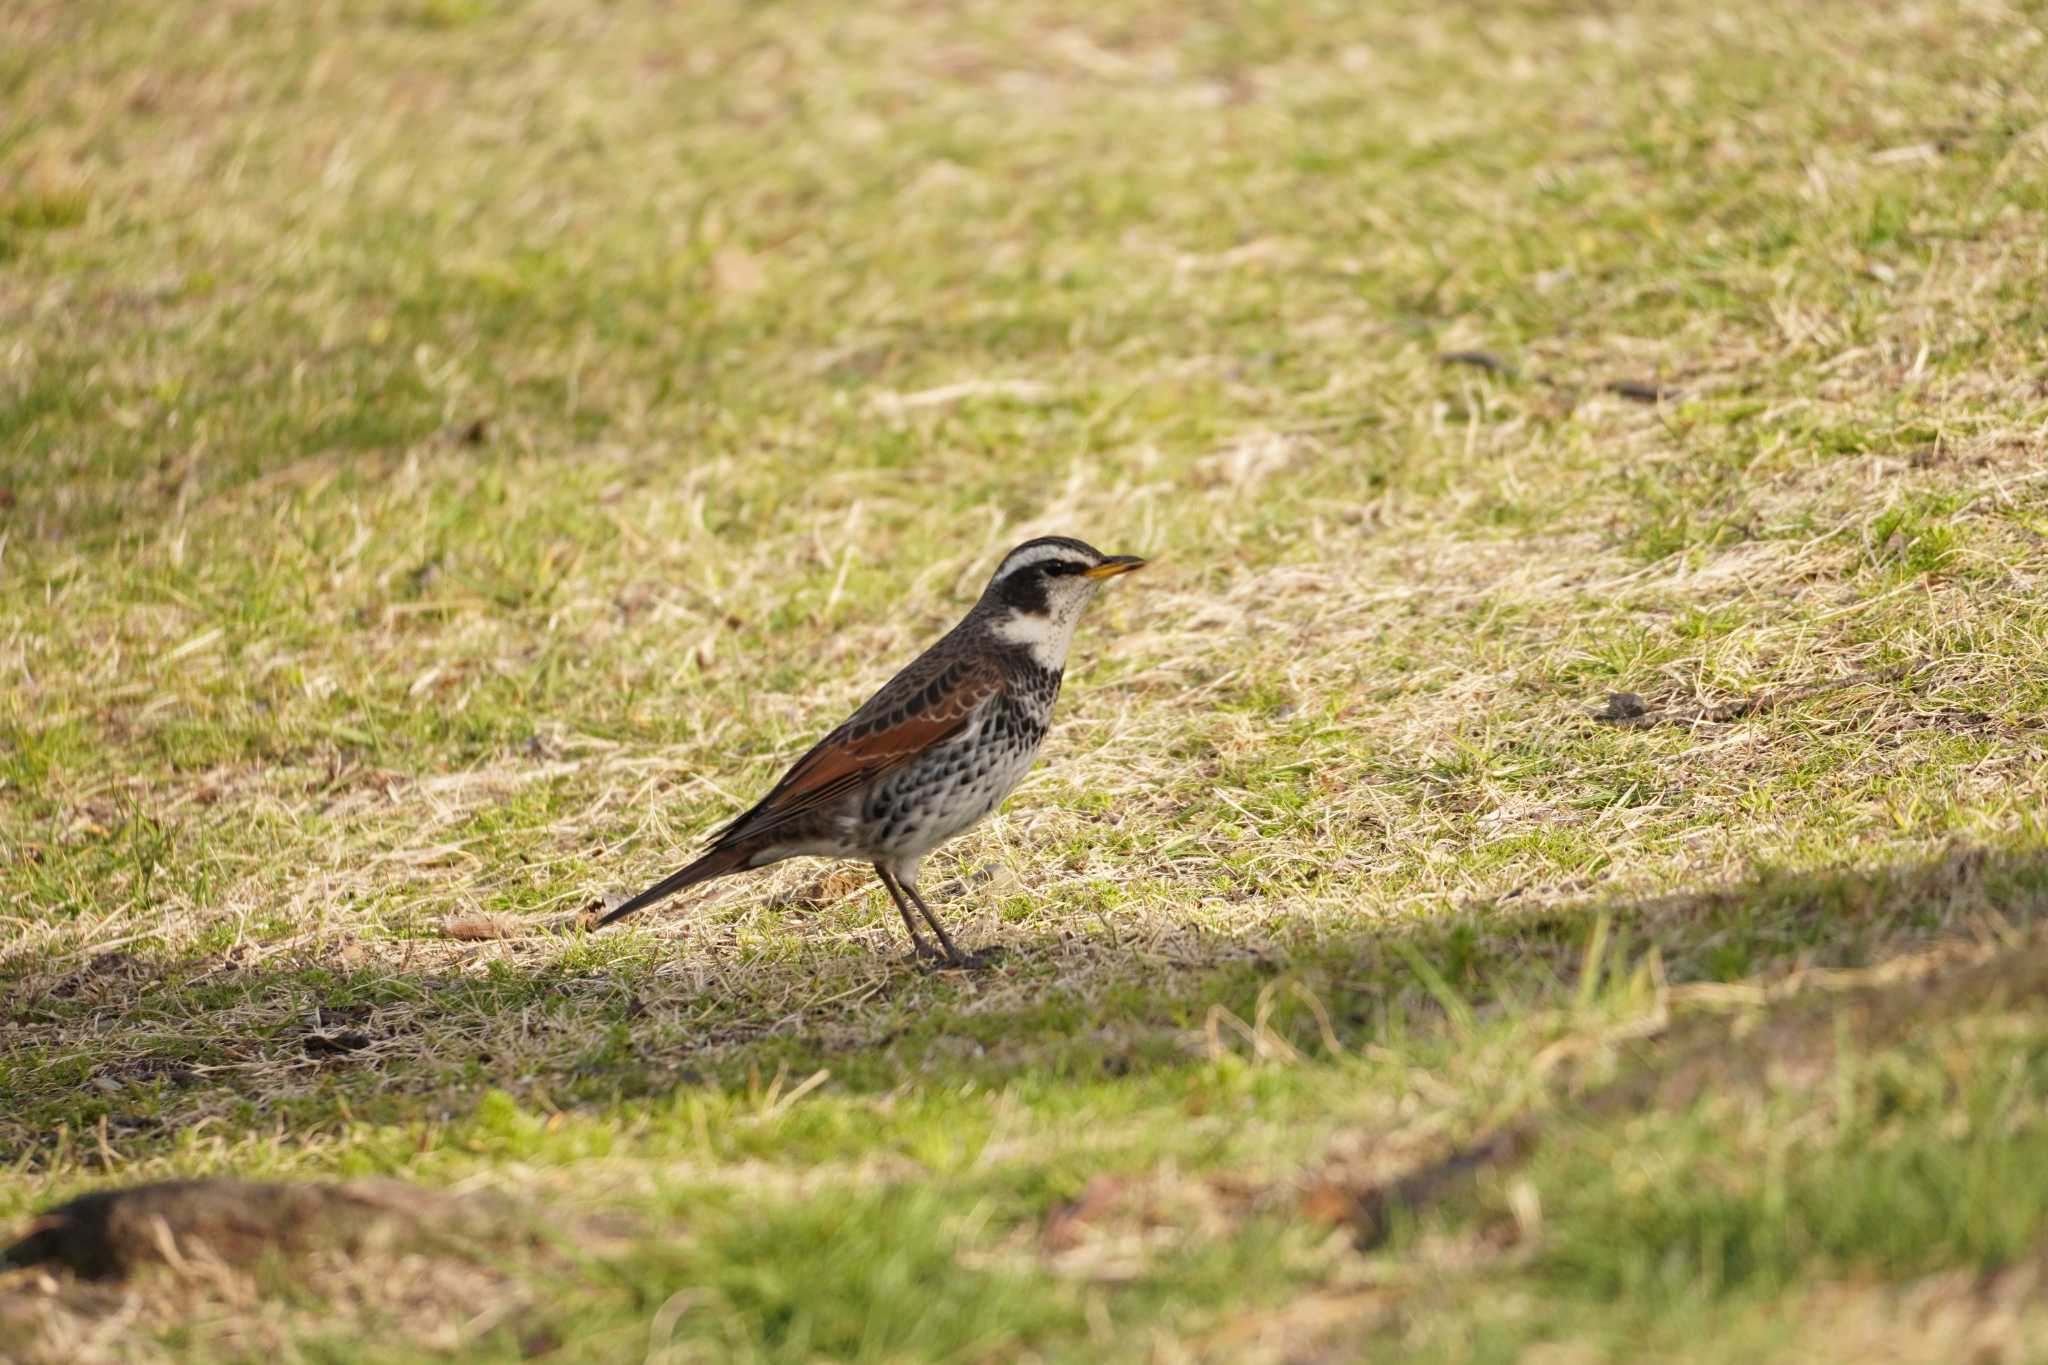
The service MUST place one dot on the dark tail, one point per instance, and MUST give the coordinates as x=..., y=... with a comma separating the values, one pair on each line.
x=716, y=863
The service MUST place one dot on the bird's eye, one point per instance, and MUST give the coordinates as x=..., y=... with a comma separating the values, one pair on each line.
x=1054, y=568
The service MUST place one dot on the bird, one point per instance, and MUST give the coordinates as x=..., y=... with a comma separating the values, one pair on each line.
x=930, y=754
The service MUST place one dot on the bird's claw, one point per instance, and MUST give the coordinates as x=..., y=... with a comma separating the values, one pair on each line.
x=938, y=960
x=980, y=960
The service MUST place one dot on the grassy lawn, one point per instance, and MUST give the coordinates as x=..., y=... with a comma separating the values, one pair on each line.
x=454, y=452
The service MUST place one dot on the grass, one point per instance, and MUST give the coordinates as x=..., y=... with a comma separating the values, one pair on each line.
x=451, y=454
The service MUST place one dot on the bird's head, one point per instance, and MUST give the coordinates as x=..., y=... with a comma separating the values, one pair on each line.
x=1039, y=589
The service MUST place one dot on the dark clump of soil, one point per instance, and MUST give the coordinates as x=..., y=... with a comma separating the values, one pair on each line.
x=113, y=1233
x=1371, y=1208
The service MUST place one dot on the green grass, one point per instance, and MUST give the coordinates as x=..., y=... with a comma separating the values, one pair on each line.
x=452, y=454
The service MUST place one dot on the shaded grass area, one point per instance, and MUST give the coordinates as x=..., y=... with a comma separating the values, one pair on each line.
x=303, y=1045
x=452, y=454
x=1844, y=1125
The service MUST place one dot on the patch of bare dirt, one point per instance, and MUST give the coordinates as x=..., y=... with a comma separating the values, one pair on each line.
x=95, y=1279
x=112, y=1234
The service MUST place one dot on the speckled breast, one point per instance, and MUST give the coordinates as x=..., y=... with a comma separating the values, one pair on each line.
x=949, y=788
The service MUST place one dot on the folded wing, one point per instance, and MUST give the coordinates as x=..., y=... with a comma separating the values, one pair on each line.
x=922, y=707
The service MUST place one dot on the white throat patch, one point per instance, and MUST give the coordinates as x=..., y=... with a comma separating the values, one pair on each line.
x=1045, y=638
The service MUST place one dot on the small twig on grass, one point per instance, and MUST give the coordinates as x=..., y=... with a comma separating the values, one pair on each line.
x=1635, y=390
x=1642, y=391
x=1628, y=710
x=1479, y=360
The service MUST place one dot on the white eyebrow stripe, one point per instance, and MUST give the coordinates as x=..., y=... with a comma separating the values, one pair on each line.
x=1037, y=554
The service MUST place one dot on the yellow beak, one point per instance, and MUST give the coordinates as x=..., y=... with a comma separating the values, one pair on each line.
x=1114, y=565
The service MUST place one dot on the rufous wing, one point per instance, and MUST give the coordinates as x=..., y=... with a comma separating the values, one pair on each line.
x=909, y=716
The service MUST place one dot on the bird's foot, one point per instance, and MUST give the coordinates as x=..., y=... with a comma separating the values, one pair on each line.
x=980, y=960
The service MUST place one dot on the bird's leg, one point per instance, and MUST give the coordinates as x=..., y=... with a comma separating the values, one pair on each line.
x=953, y=954
x=919, y=949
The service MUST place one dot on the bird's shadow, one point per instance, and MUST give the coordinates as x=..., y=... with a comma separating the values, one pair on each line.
x=126, y=1054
